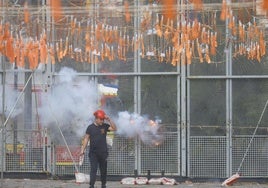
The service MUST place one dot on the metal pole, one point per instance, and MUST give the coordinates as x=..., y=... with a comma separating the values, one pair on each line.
x=2, y=124
x=182, y=95
x=137, y=83
x=15, y=131
x=96, y=14
x=179, y=109
x=3, y=112
x=228, y=51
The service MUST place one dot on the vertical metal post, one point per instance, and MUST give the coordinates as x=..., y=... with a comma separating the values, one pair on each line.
x=137, y=82
x=3, y=153
x=179, y=99
x=48, y=146
x=28, y=102
x=183, y=122
x=179, y=118
x=50, y=33
x=228, y=51
x=48, y=23
x=2, y=148
x=14, y=157
x=94, y=66
x=2, y=124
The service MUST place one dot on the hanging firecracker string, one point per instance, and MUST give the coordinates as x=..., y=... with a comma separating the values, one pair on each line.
x=56, y=9
x=265, y=5
x=198, y=4
x=178, y=42
x=224, y=10
x=26, y=13
x=169, y=9
x=127, y=13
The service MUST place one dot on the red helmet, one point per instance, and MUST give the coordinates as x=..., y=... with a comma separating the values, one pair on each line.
x=99, y=114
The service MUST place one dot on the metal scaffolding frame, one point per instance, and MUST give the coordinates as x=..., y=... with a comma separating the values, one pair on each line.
x=184, y=139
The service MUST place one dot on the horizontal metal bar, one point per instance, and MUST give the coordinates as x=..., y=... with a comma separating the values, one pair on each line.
x=132, y=8
x=19, y=71
x=230, y=77
x=125, y=74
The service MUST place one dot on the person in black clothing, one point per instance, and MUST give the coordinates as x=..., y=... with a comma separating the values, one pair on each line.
x=98, y=150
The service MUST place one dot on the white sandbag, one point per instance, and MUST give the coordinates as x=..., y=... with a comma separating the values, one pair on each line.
x=141, y=180
x=155, y=181
x=128, y=181
x=168, y=181
x=81, y=177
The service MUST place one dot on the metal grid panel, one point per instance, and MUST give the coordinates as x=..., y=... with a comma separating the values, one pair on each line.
x=27, y=154
x=121, y=160
x=66, y=159
x=256, y=160
x=2, y=149
x=207, y=157
x=163, y=157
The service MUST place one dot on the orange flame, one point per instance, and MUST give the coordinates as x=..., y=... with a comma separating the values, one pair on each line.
x=152, y=123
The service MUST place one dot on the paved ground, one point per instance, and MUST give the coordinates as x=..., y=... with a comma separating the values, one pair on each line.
x=29, y=183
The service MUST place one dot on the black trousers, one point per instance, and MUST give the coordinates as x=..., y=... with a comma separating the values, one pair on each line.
x=98, y=160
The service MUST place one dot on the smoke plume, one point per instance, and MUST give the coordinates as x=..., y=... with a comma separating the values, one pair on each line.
x=12, y=105
x=133, y=125
x=70, y=103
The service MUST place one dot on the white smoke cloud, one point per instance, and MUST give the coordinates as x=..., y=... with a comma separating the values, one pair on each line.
x=133, y=125
x=12, y=104
x=70, y=102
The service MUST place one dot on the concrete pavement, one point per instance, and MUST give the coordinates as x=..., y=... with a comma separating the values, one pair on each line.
x=47, y=183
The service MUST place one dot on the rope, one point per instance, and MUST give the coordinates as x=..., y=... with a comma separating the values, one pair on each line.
x=64, y=140
x=14, y=106
x=254, y=133
x=36, y=105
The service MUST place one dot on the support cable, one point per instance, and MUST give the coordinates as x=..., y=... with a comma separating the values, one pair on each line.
x=64, y=140
x=254, y=133
x=15, y=104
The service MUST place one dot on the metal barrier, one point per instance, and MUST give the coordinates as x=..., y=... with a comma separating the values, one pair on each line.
x=207, y=156
x=124, y=158
x=255, y=164
x=25, y=151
